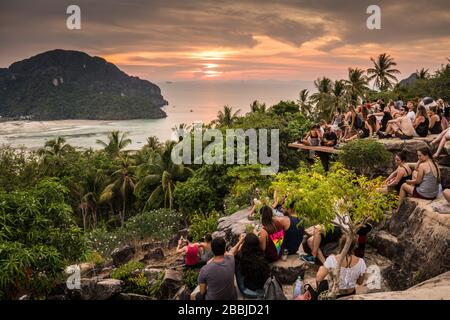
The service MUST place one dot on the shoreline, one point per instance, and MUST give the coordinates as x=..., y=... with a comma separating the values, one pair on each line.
x=30, y=126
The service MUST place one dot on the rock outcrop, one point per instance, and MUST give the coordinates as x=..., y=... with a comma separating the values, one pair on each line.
x=417, y=240
x=91, y=289
x=173, y=281
x=437, y=288
x=231, y=227
x=122, y=255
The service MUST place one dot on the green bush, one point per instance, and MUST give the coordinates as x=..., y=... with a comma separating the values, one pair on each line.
x=124, y=271
x=201, y=225
x=246, y=179
x=159, y=224
x=195, y=195
x=138, y=283
x=95, y=258
x=190, y=278
x=38, y=237
x=104, y=242
x=364, y=155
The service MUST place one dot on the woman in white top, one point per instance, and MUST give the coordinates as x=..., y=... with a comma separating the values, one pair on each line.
x=352, y=269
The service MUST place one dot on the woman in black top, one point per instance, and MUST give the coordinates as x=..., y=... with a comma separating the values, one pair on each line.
x=401, y=174
x=435, y=121
x=421, y=123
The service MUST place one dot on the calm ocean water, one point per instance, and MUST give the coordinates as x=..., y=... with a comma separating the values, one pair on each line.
x=189, y=102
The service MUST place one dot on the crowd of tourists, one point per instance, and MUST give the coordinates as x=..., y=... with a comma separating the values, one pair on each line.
x=245, y=267
x=384, y=120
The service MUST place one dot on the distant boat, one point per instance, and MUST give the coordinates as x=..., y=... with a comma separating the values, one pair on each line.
x=169, y=82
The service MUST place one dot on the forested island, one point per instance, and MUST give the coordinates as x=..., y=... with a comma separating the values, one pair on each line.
x=63, y=84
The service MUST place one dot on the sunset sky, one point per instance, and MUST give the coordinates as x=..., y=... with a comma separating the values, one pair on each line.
x=232, y=40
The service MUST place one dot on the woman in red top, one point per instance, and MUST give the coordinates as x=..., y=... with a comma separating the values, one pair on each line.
x=271, y=236
x=191, y=251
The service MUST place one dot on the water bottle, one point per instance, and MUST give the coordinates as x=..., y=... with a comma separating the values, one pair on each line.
x=298, y=287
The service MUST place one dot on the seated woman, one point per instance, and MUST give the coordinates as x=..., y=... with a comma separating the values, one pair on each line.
x=402, y=174
x=337, y=123
x=293, y=229
x=421, y=123
x=370, y=127
x=313, y=137
x=426, y=178
x=252, y=270
x=441, y=140
x=271, y=236
x=191, y=251
x=354, y=121
x=435, y=121
x=352, y=269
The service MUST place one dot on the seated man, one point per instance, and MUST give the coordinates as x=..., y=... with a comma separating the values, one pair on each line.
x=216, y=279
x=401, y=127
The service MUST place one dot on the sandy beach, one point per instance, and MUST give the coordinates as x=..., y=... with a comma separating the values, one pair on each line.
x=13, y=127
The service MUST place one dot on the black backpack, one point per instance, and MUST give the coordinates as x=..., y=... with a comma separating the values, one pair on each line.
x=273, y=289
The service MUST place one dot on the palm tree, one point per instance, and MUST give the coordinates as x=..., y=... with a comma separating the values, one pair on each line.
x=55, y=147
x=89, y=190
x=160, y=174
x=181, y=130
x=337, y=96
x=122, y=187
x=303, y=101
x=227, y=117
x=322, y=98
x=383, y=72
x=356, y=84
x=422, y=74
x=116, y=143
x=153, y=143
x=257, y=106
x=52, y=154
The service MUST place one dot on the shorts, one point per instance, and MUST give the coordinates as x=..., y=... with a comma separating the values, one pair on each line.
x=331, y=236
x=416, y=194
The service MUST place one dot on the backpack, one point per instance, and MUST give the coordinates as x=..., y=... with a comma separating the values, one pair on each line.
x=273, y=289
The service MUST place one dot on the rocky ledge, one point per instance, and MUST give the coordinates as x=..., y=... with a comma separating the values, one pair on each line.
x=417, y=240
x=437, y=288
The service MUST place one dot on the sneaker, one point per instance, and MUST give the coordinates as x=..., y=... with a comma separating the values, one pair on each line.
x=308, y=258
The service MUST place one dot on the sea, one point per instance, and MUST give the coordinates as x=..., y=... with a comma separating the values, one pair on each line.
x=189, y=102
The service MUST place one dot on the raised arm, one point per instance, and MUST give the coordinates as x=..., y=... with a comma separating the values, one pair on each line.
x=233, y=251
x=400, y=174
x=180, y=248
